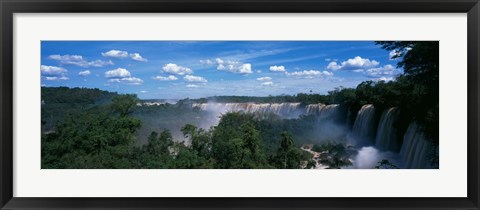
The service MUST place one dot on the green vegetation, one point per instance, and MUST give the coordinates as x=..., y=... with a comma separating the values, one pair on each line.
x=90, y=128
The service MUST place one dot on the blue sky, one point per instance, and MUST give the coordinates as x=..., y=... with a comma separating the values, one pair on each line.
x=181, y=69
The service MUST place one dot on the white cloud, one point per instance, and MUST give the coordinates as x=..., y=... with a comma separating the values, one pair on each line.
x=54, y=78
x=192, y=86
x=219, y=61
x=387, y=70
x=259, y=71
x=333, y=66
x=115, y=54
x=245, y=69
x=264, y=78
x=395, y=54
x=191, y=78
x=118, y=73
x=137, y=57
x=270, y=83
x=84, y=73
x=386, y=79
x=175, y=69
x=127, y=80
x=277, y=68
x=327, y=73
x=78, y=60
x=206, y=62
x=230, y=65
x=353, y=64
x=169, y=78
x=143, y=91
x=309, y=73
x=124, y=54
x=52, y=70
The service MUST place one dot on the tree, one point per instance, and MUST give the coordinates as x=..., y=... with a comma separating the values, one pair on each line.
x=420, y=82
x=124, y=104
x=285, y=146
x=199, y=138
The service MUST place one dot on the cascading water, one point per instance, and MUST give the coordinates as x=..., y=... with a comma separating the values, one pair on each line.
x=364, y=125
x=314, y=109
x=285, y=110
x=415, y=148
x=386, y=138
x=329, y=112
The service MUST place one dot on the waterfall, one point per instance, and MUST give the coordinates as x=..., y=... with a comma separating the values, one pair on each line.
x=415, y=148
x=329, y=112
x=386, y=138
x=286, y=110
x=364, y=125
x=314, y=109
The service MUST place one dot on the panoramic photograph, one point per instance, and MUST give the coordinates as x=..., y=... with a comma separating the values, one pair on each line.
x=239, y=104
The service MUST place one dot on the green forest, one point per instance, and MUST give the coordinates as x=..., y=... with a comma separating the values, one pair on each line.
x=86, y=128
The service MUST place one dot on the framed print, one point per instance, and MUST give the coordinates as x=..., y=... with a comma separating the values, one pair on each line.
x=239, y=105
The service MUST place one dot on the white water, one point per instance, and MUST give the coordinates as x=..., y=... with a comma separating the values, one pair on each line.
x=284, y=110
x=415, y=148
x=364, y=125
x=329, y=112
x=314, y=109
x=386, y=138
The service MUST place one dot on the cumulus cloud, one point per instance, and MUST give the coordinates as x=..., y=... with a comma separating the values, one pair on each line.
x=84, y=73
x=327, y=73
x=386, y=79
x=245, y=69
x=264, y=78
x=78, y=60
x=124, y=54
x=192, y=86
x=277, y=68
x=117, y=73
x=115, y=54
x=176, y=69
x=270, y=83
x=55, y=78
x=308, y=74
x=191, y=78
x=137, y=57
x=127, y=80
x=229, y=65
x=353, y=64
x=52, y=70
x=395, y=54
x=169, y=78
x=206, y=62
x=53, y=73
x=386, y=70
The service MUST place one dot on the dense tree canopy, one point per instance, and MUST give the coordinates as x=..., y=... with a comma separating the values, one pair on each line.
x=90, y=128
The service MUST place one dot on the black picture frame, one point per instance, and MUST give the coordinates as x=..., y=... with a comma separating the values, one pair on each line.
x=10, y=7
